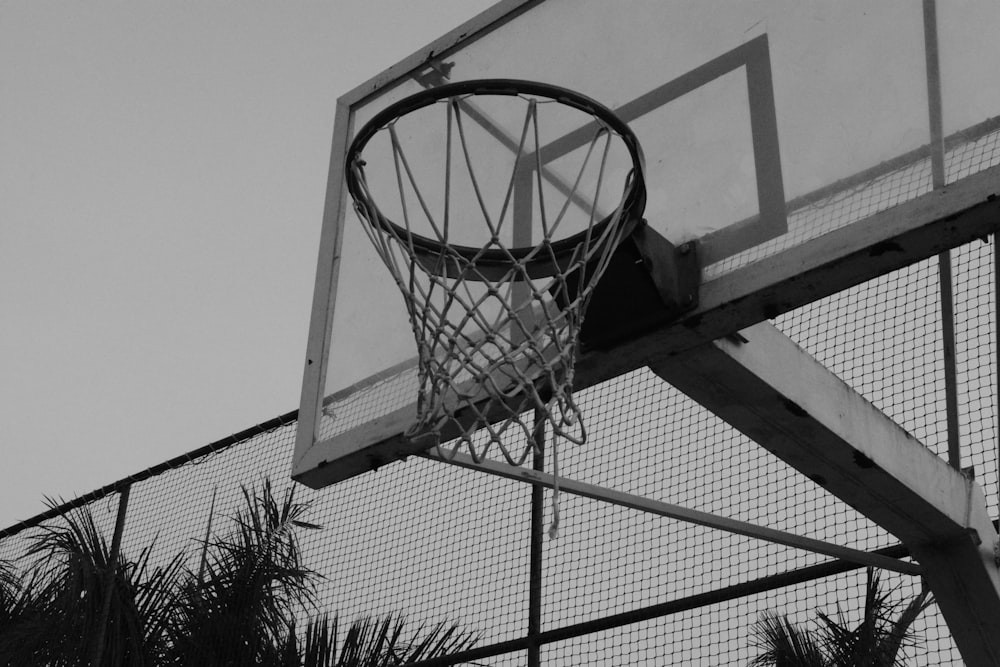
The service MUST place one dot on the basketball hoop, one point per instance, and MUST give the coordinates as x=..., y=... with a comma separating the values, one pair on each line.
x=497, y=321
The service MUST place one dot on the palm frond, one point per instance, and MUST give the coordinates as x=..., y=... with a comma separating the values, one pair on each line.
x=440, y=640
x=61, y=608
x=18, y=611
x=874, y=642
x=236, y=607
x=377, y=642
x=8, y=580
x=318, y=648
x=784, y=644
x=10, y=592
x=249, y=583
x=901, y=633
x=877, y=640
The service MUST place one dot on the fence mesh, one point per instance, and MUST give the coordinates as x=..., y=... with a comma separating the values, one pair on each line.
x=433, y=543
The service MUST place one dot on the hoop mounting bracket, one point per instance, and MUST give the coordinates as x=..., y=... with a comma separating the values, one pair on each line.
x=648, y=282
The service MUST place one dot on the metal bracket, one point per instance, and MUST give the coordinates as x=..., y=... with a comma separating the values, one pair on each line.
x=648, y=282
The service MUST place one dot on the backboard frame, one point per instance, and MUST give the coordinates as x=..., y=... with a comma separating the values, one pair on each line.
x=752, y=56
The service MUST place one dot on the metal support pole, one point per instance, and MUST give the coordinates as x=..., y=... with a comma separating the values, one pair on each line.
x=698, y=601
x=934, y=112
x=996, y=342
x=934, y=107
x=950, y=358
x=109, y=587
x=208, y=536
x=537, y=545
x=677, y=512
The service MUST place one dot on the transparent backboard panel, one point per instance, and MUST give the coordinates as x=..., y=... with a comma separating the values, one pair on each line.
x=968, y=51
x=849, y=93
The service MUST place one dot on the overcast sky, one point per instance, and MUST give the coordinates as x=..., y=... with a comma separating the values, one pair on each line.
x=161, y=189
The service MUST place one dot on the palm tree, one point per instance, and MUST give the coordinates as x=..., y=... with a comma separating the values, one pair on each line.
x=236, y=607
x=9, y=589
x=785, y=644
x=875, y=642
x=239, y=606
x=76, y=587
x=14, y=598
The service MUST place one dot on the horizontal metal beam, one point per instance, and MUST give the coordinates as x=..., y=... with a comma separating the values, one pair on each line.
x=681, y=513
x=676, y=606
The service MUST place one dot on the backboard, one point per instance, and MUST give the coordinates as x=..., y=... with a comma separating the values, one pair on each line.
x=752, y=116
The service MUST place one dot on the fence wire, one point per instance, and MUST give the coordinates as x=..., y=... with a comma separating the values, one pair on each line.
x=431, y=543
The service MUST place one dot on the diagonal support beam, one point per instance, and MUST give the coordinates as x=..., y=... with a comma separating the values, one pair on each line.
x=781, y=397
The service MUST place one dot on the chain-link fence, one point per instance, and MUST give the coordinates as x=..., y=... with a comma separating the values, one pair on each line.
x=433, y=543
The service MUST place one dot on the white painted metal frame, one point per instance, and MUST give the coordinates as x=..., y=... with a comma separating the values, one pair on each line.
x=753, y=57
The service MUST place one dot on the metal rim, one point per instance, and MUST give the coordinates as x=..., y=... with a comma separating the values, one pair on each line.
x=633, y=199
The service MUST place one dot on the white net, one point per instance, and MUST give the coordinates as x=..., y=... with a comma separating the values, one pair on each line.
x=497, y=324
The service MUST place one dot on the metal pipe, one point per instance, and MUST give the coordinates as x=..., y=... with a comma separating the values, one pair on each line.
x=996, y=341
x=679, y=513
x=934, y=107
x=109, y=587
x=950, y=359
x=537, y=546
x=733, y=592
x=935, y=115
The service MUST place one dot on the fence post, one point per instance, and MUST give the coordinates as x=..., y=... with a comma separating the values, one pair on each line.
x=116, y=543
x=938, y=179
x=537, y=547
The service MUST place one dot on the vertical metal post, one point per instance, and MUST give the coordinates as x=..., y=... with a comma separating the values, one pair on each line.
x=950, y=358
x=934, y=112
x=522, y=234
x=996, y=342
x=537, y=545
x=109, y=587
x=949, y=353
x=208, y=536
